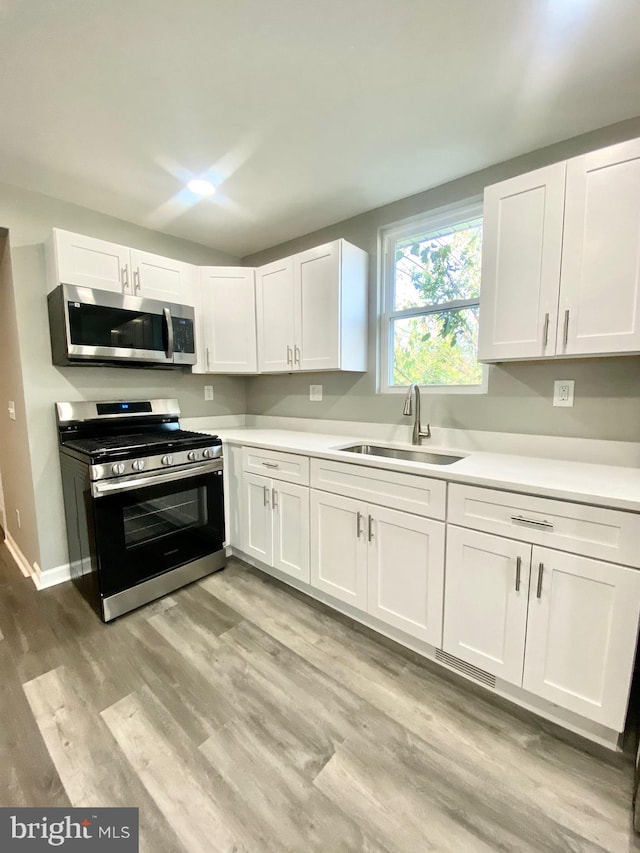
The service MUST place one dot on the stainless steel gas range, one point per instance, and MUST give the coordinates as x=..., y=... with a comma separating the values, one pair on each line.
x=144, y=501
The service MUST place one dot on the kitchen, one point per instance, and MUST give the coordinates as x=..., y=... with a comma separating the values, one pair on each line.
x=514, y=415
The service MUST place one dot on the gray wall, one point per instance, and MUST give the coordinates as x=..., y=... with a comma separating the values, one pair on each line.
x=30, y=218
x=15, y=459
x=519, y=398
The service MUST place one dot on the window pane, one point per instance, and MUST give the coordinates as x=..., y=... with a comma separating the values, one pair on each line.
x=437, y=349
x=439, y=267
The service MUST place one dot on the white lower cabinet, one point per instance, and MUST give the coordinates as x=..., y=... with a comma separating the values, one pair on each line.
x=387, y=563
x=276, y=524
x=339, y=547
x=567, y=634
x=581, y=634
x=485, y=606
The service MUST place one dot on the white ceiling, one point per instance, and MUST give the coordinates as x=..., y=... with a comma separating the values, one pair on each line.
x=305, y=112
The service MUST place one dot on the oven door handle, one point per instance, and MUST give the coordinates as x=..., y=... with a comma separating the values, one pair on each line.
x=169, y=322
x=111, y=487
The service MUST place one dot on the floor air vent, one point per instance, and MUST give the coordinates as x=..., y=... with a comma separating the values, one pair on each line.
x=469, y=669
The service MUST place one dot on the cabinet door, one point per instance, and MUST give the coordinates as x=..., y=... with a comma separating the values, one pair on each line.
x=290, y=504
x=275, y=310
x=485, y=608
x=581, y=634
x=406, y=572
x=521, y=252
x=339, y=547
x=257, y=537
x=317, y=307
x=600, y=282
x=87, y=262
x=228, y=321
x=155, y=277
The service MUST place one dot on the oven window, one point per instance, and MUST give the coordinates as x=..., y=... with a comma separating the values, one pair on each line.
x=150, y=520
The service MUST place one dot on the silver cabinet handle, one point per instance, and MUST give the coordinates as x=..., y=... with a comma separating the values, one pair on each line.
x=370, y=529
x=289, y=356
x=124, y=276
x=136, y=279
x=566, y=327
x=266, y=495
x=270, y=464
x=296, y=355
x=520, y=519
x=540, y=572
x=518, y=570
x=273, y=499
x=207, y=358
x=545, y=333
x=358, y=525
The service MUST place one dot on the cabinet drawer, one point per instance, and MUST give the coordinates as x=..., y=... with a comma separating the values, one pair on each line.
x=419, y=495
x=276, y=464
x=606, y=534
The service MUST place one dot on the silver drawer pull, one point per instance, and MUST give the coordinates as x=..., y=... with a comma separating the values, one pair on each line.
x=520, y=519
x=270, y=464
x=518, y=570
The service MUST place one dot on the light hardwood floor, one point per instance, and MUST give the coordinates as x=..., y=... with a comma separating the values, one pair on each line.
x=239, y=716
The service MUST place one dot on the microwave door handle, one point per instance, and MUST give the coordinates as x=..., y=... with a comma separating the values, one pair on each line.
x=169, y=322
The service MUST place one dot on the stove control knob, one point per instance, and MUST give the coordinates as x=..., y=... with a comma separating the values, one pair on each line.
x=167, y=460
x=138, y=464
x=192, y=456
x=208, y=453
x=117, y=468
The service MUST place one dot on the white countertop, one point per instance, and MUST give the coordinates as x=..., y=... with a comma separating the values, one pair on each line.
x=603, y=485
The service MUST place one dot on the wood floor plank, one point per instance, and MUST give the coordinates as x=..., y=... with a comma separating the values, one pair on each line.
x=195, y=801
x=92, y=768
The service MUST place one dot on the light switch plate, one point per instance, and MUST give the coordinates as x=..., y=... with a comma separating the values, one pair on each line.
x=563, y=392
x=208, y=392
x=315, y=393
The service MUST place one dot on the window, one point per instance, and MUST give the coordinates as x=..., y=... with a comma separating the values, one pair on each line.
x=431, y=293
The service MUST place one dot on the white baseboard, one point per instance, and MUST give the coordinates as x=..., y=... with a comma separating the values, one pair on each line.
x=19, y=558
x=41, y=580
x=52, y=577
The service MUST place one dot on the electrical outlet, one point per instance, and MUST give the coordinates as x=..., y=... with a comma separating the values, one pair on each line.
x=563, y=392
x=11, y=408
x=208, y=392
x=18, y=518
x=315, y=393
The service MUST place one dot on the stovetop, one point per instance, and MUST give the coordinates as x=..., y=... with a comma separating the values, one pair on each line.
x=145, y=443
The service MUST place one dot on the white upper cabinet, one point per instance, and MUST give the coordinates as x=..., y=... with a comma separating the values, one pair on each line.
x=89, y=262
x=155, y=277
x=226, y=309
x=275, y=316
x=600, y=282
x=561, y=260
x=312, y=310
x=521, y=251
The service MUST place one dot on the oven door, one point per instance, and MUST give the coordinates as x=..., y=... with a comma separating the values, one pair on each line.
x=147, y=525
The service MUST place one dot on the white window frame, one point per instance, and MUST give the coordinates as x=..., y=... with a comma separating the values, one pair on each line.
x=441, y=217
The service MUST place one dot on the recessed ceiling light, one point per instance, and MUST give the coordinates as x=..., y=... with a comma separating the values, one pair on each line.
x=201, y=187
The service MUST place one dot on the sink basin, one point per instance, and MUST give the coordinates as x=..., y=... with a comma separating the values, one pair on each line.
x=400, y=453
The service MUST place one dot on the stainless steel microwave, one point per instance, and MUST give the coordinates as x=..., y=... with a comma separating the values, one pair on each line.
x=100, y=327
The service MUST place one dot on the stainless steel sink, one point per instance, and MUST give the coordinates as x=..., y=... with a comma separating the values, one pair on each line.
x=400, y=453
